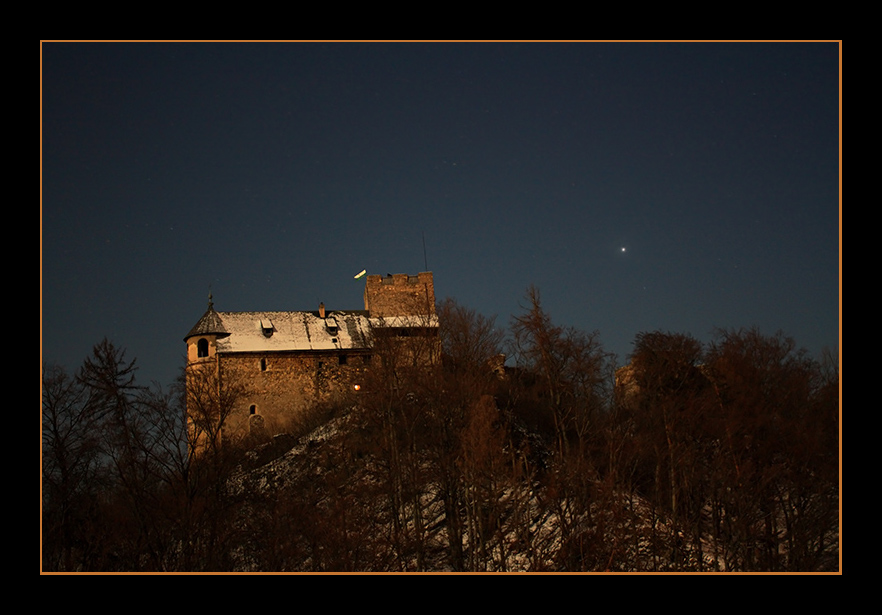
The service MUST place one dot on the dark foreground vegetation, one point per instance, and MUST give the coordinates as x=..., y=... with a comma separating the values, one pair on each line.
x=718, y=457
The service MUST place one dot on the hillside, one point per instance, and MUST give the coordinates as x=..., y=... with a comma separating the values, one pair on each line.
x=327, y=502
x=719, y=458
x=332, y=503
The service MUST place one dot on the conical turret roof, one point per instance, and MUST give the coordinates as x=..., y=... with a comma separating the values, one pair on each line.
x=209, y=324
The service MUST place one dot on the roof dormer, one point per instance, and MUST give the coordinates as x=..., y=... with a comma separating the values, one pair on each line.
x=266, y=327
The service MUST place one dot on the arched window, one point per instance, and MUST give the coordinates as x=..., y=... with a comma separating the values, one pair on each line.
x=252, y=409
x=263, y=365
x=202, y=348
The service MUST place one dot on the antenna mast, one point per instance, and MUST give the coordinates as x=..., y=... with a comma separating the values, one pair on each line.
x=425, y=260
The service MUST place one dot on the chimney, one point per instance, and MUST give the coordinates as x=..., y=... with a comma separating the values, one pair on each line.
x=321, y=310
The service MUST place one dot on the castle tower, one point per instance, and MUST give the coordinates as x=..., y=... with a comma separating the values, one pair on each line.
x=204, y=422
x=202, y=338
x=400, y=295
x=401, y=309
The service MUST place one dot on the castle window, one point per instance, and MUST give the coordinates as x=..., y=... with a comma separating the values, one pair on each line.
x=343, y=359
x=202, y=348
x=263, y=365
x=252, y=409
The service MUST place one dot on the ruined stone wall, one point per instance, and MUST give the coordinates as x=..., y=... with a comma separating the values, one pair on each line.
x=399, y=295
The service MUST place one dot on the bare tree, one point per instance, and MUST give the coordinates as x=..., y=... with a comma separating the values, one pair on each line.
x=471, y=359
x=671, y=406
x=97, y=441
x=211, y=400
x=71, y=469
x=567, y=378
x=778, y=491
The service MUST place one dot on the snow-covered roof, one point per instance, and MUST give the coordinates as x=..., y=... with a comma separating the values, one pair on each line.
x=287, y=331
x=405, y=321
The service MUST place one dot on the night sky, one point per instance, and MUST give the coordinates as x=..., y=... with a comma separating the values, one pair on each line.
x=271, y=173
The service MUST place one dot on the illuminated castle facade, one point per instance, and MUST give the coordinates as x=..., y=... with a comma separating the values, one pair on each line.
x=258, y=370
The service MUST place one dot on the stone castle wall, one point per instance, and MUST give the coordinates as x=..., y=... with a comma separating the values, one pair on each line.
x=399, y=295
x=278, y=387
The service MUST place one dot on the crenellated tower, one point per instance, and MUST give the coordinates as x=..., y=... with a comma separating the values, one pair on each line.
x=400, y=294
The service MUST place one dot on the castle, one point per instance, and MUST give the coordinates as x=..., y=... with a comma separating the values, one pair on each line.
x=258, y=370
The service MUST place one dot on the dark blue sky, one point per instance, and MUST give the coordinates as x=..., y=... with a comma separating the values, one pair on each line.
x=273, y=173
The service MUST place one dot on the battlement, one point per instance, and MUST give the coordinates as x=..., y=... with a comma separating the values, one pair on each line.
x=400, y=295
